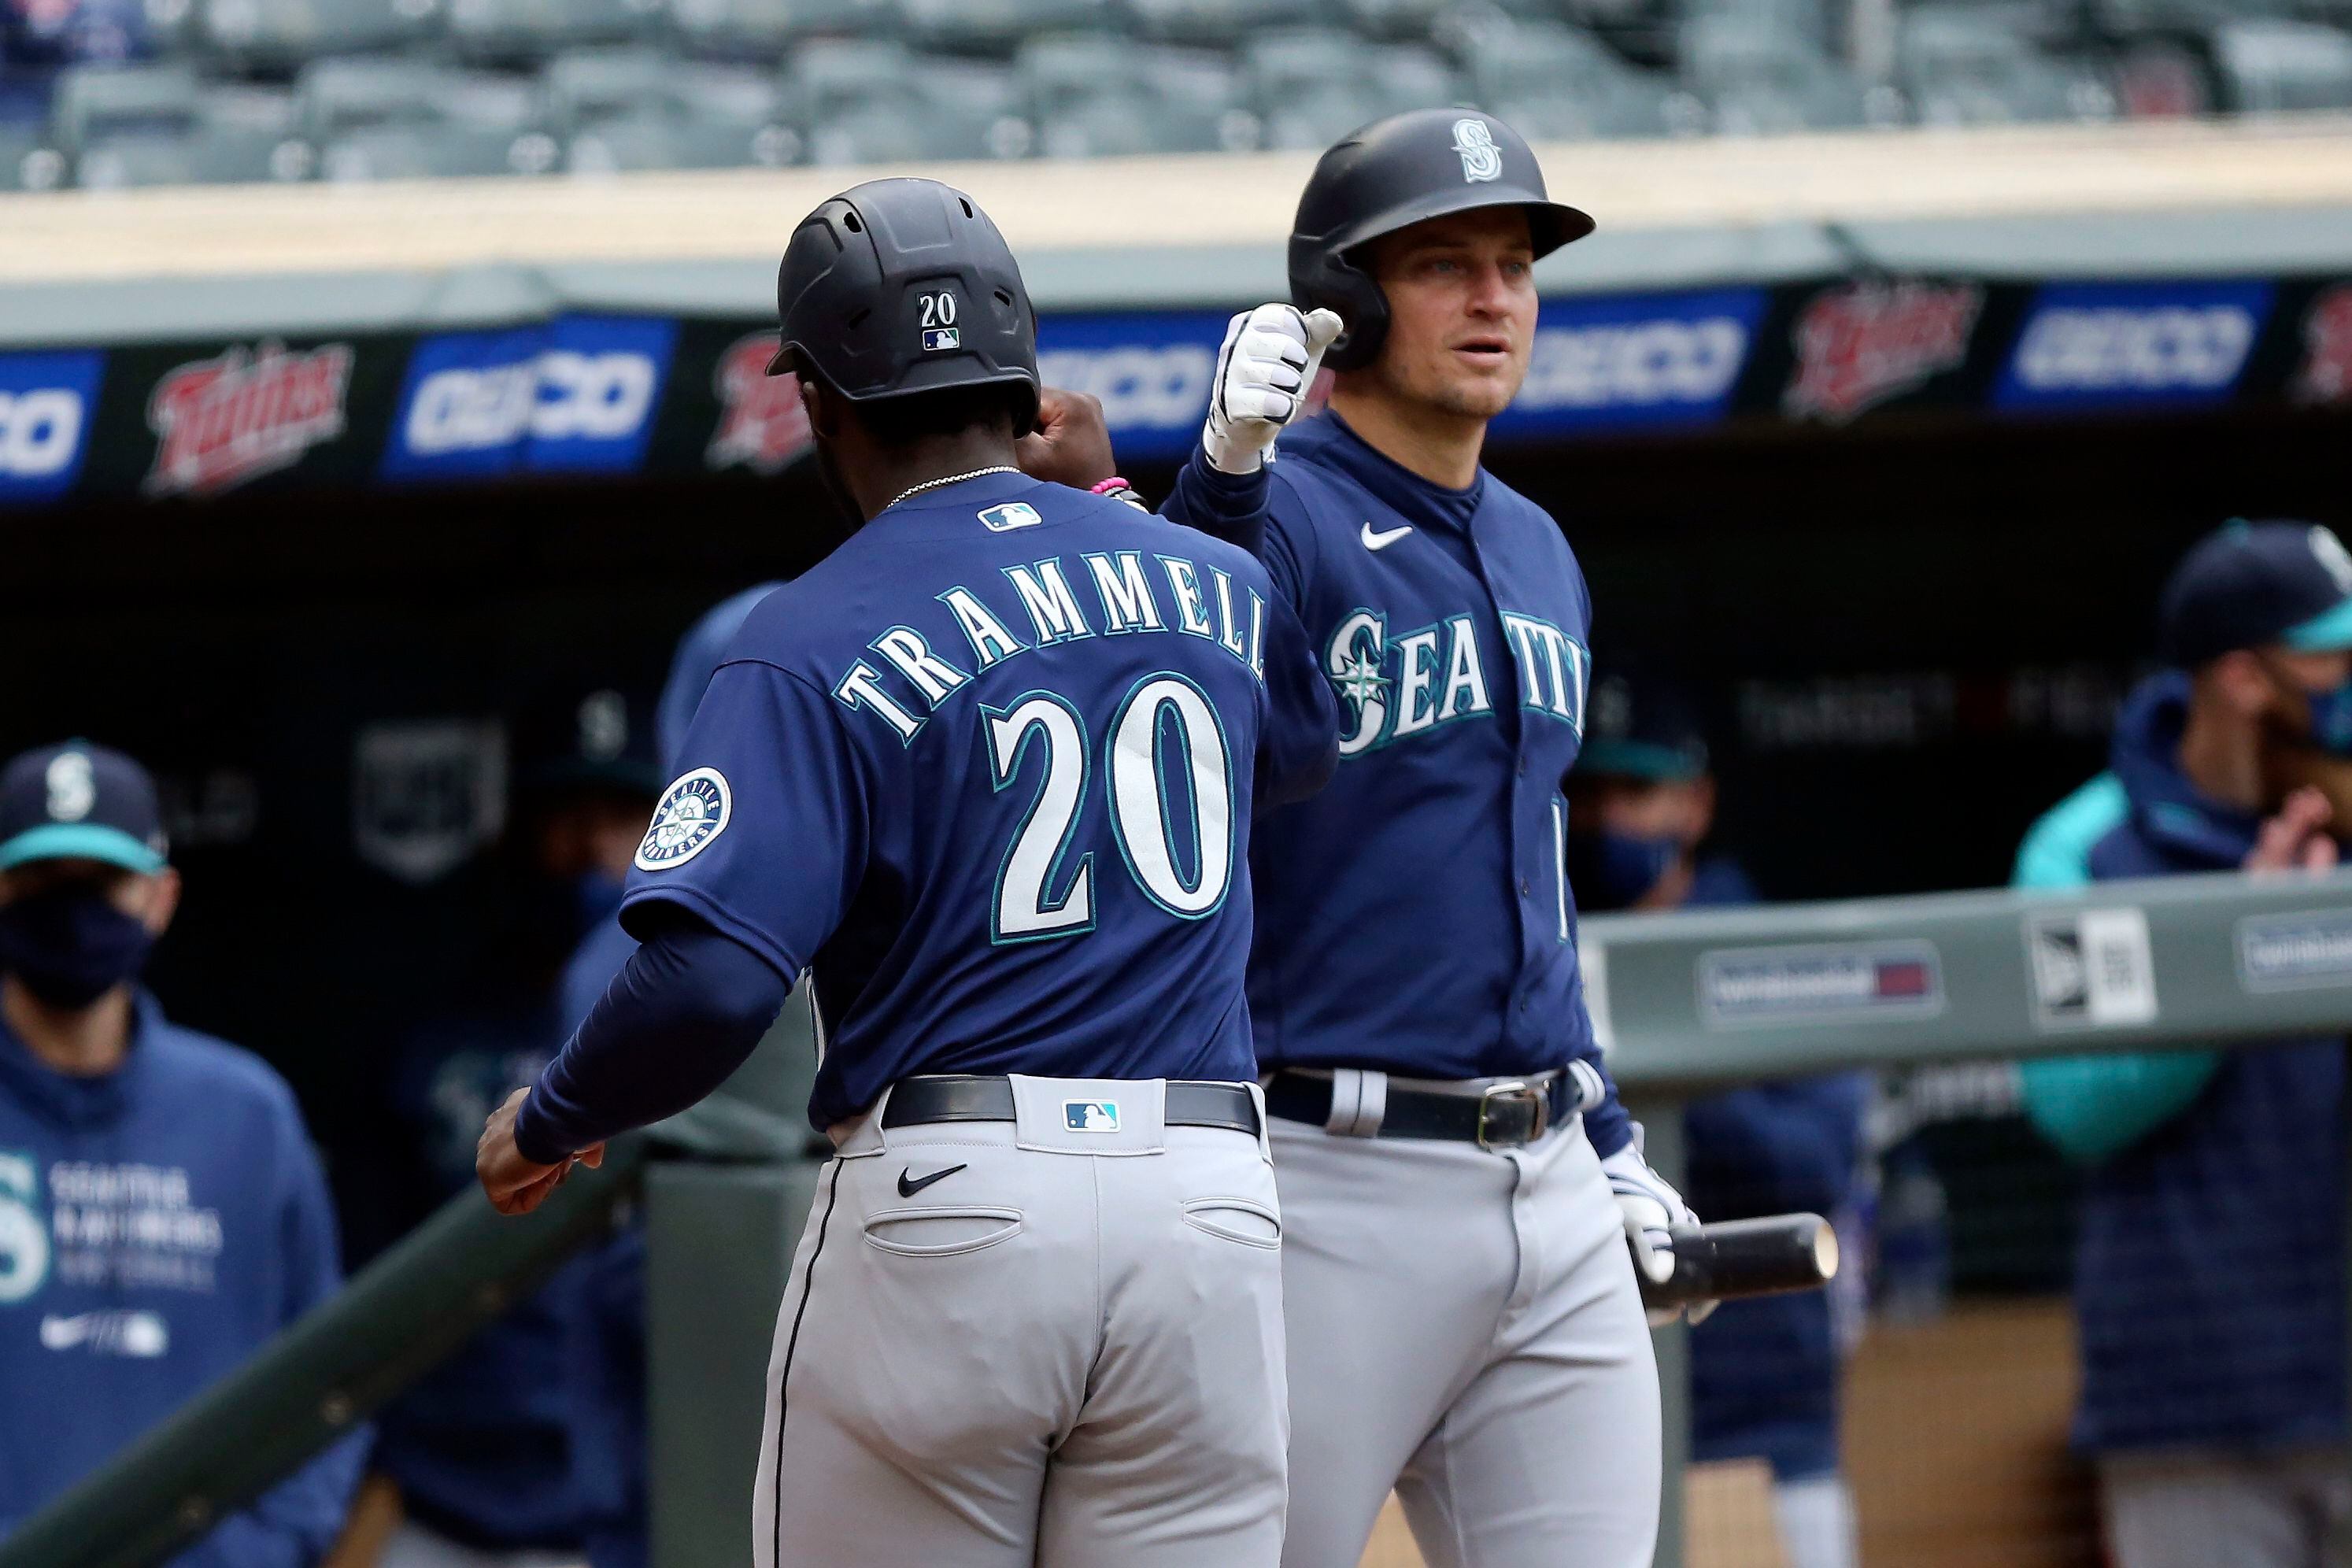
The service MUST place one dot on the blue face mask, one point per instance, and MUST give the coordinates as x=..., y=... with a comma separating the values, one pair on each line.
x=1615, y=870
x=2331, y=721
x=70, y=945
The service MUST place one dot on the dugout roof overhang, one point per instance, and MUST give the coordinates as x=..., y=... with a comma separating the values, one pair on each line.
x=2148, y=199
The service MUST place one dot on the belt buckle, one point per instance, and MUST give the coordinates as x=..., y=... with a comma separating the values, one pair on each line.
x=1516, y=1092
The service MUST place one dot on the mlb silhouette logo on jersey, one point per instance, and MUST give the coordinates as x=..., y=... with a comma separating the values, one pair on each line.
x=1010, y=515
x=1091, y=1115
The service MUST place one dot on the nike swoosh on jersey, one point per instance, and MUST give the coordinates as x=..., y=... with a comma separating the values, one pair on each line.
x=1386, y=537
x=907, y=1189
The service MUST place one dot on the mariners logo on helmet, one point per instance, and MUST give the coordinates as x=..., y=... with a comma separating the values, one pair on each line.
x=1480, y=159
x=692, y=812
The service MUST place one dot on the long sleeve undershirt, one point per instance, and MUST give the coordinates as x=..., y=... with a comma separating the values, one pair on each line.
x=675, y=1024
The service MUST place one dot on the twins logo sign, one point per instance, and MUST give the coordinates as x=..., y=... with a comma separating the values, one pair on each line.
x=44, y=404
x=576, y=395
x=761, y=423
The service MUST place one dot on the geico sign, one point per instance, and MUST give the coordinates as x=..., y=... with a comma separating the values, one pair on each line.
x=2200, y=347
x=40, y=430
x=559, y=395
x=1136, y=384
x=1635, y=362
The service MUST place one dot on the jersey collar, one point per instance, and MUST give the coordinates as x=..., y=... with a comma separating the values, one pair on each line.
x=1333, y=442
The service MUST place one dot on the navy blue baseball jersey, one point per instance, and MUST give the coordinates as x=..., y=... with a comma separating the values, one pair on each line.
x=1416, y=916
x=987, y=773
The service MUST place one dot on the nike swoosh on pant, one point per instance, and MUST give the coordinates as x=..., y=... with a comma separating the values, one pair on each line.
x=907, y=1189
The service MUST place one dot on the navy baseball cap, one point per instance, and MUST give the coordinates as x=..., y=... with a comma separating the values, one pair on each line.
x=1642, y=723
x=2255, y=585
x=79, y=802
x=601, y=737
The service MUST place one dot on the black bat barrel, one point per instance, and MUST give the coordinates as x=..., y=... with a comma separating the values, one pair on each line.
x=1767, y=1256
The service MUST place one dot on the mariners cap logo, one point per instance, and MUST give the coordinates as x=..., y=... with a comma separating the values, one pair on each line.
x=1091, y=1115
x=1480, y=159
x=692, y=812
x=73, y=789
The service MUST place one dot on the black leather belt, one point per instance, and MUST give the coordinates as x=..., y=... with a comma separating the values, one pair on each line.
x=1507, y=1114
x=962, y=1096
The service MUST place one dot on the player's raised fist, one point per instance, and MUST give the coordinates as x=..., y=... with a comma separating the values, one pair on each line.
x=1071, y=444
x=1268, y=362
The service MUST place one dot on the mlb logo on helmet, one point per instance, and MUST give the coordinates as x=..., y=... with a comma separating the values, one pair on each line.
x=937, y=338
x=1091, y=1115
x=45, y=404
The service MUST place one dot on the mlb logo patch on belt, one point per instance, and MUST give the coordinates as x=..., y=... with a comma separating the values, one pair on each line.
x=1091, y=1115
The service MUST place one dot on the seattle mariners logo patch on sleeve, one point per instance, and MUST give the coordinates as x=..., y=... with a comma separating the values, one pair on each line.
x=692, y=812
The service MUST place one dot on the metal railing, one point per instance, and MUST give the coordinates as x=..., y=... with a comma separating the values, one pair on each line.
x=1686, y=1002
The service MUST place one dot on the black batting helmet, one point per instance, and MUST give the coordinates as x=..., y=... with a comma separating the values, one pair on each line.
x=900, y=287
x=1394, y=174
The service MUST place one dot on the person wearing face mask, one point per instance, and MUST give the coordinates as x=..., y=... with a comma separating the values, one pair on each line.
x=2209, y=1263
x=162, y=1212
x=1764, y=1373
x=501, y=1455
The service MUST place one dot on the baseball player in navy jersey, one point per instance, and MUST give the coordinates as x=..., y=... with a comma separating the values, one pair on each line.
x=986, y=776
x=1458, y=1180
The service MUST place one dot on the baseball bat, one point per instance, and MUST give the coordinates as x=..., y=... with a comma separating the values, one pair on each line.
x=1769, y=1256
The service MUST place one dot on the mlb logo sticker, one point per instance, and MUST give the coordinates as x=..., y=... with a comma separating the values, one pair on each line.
x=1010, y=515
x=937, y=338
x=1091, y=1115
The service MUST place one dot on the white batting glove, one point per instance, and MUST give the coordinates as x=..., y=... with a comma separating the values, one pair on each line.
x=1650, y=1207
x=1268, y=362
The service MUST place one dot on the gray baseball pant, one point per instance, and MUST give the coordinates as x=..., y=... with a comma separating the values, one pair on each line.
x=1067, y=1351
x=1465, y=1328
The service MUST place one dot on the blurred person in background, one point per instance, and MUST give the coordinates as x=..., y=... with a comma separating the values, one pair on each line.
x=1764, y=1373
x=2210, y=1272
x=162, y=1212
x=521, y=1449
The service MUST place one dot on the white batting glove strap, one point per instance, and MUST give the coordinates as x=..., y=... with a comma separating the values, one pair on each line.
x=1650, y=1206
x=1264, y=369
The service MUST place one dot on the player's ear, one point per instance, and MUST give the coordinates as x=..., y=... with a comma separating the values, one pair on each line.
x=163, y=900
x=823, y=409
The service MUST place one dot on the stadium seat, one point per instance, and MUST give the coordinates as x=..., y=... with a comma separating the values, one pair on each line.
x=994, y=26
x=874, y=101
x=396, y=119
x=1554, y=82
x=27, y=163
x=1312, y=85
x=1401, y=20
x=1215, y=23
x=2268, y=66
x=1963, y=65
x=529, y=29
x=1755, y=80
x=261, y=34
x=764, y=29
x=641, y=108
x=1099, y=95
x=156, y=126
